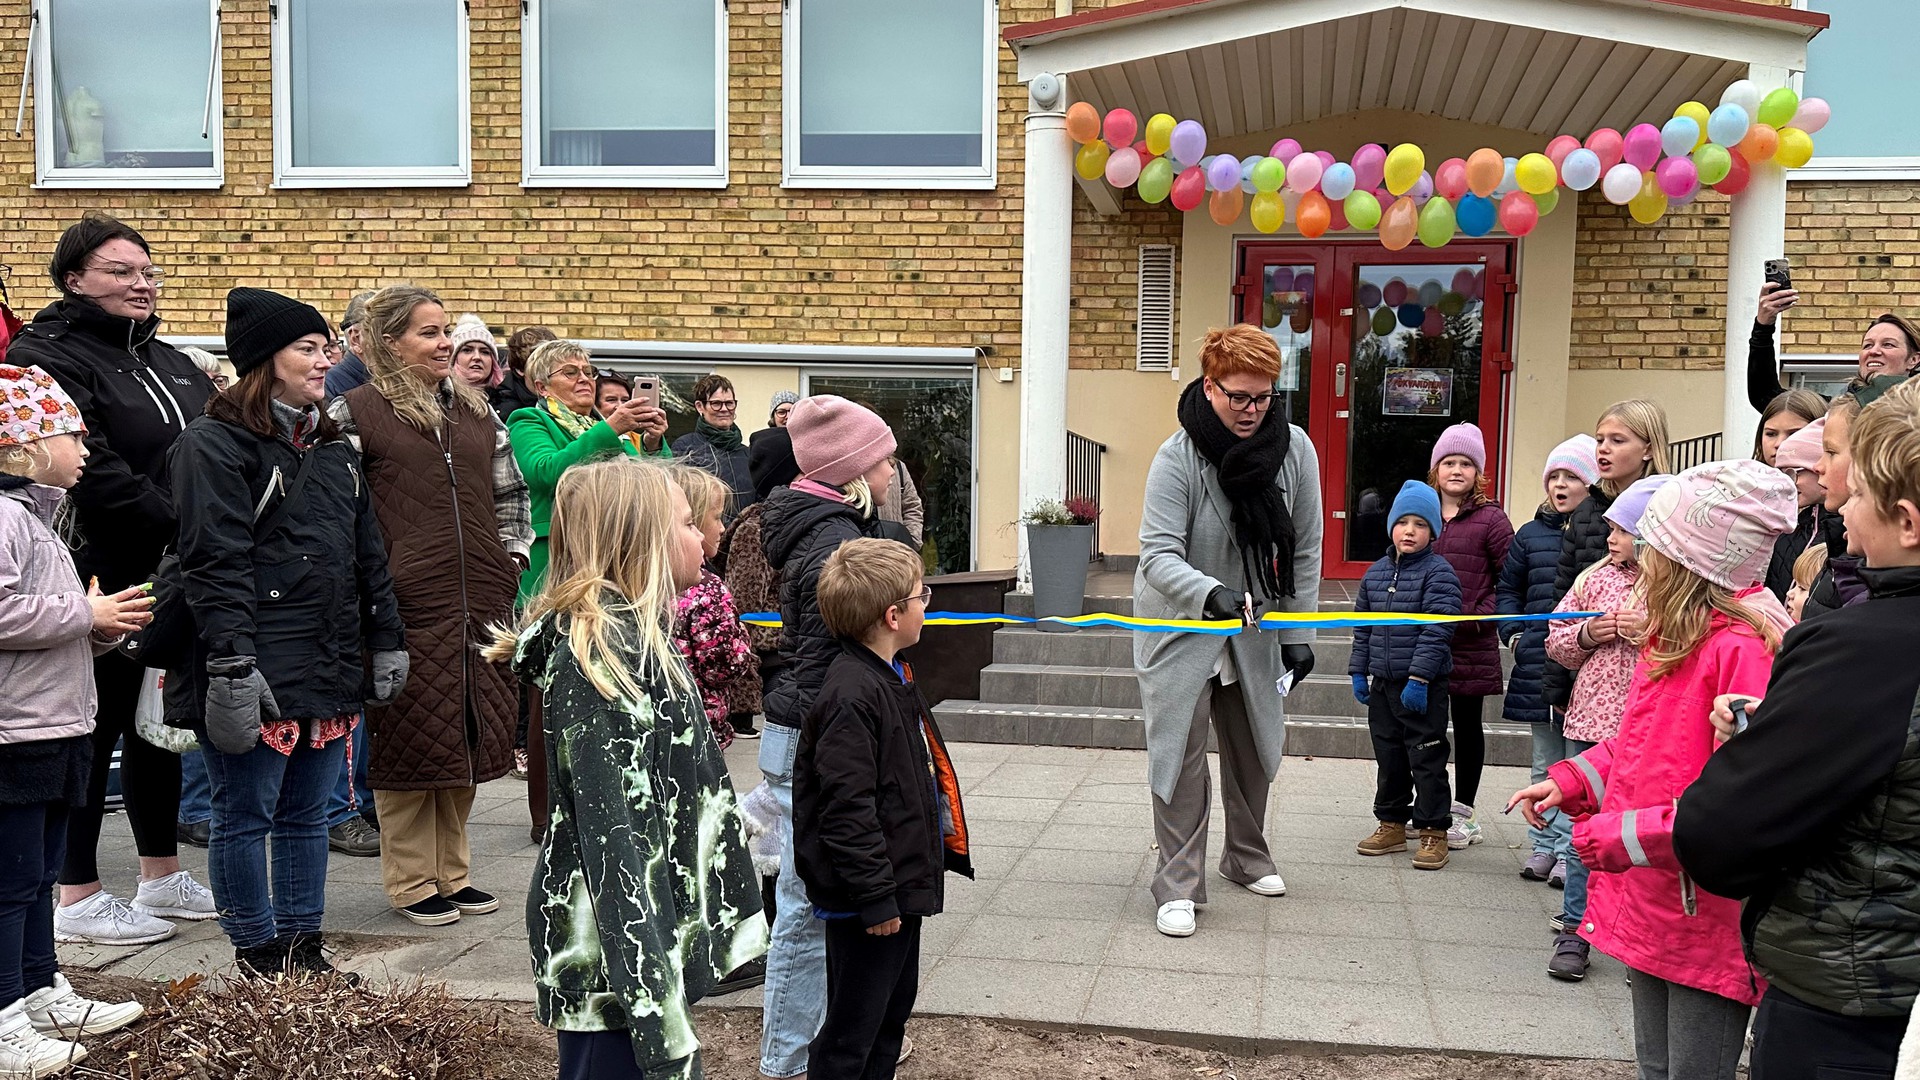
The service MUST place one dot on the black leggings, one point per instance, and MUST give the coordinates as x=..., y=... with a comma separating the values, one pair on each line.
x=1469, y=746
x=149, y=777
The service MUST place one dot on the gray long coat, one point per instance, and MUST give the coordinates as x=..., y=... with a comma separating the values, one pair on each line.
x=1186, y=549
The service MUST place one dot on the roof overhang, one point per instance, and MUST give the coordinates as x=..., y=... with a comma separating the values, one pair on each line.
x=1545, y=66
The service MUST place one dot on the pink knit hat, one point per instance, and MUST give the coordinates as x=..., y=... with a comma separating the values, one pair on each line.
x=1579, y=456
x=1801, y=450
x=1464, y=439
x=1720, y=519
x=836, y=441
x=34, y=407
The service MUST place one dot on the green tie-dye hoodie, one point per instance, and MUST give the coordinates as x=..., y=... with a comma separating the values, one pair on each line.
x=645, y=895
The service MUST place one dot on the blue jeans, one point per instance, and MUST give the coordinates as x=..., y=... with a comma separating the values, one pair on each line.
x=260, y=793
x=795, y=998
x=1549, y=746
x=1574, y=903
x=351, y=793
x=33, y=840
x=196, y=794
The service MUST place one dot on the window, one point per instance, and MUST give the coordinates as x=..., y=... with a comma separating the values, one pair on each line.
x=593, y=117
x=890, y=93
x=370, y=93
x=127, y=93
x=1848, y=64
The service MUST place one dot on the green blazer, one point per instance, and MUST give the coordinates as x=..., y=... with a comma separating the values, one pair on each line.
x=544, y=451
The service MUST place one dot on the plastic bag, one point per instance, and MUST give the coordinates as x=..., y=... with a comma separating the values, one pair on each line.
x=150, y=716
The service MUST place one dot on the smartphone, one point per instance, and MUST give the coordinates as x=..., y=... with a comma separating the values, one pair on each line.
x=647, y=388
x=1776, y=272
x=1742, y=713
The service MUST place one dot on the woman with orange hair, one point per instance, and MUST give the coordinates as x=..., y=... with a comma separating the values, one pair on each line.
x=1230, y=527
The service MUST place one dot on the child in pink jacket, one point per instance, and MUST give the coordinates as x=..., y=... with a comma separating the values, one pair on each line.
x=1707, y=538
x=706, y=626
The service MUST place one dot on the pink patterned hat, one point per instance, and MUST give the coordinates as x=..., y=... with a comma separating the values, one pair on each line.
x=1720, y=520
x=33, y=407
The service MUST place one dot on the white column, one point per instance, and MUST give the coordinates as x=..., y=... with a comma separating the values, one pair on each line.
x=1046, y=271
x=1756, y=232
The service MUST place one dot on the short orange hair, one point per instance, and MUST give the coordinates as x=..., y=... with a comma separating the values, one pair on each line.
x=1243, y=349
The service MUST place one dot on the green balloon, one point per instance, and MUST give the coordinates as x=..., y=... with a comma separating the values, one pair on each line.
x=1268, y=174
x=1383, y=321
x=1437, y=225
x=1547, y=202
x=1156, y=180
x=1452, y=305
x=1713, y=163
x=1778, y=107
x=1363, y=210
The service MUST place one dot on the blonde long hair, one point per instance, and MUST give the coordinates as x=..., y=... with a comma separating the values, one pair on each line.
x=1648, y=422
x=1680, y=606
x=612, y=535
x=389, y=311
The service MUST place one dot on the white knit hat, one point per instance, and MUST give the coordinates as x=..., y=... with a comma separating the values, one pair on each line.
x=467, y=328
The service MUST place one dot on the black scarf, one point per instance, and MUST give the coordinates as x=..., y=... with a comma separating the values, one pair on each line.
x=1262, y=525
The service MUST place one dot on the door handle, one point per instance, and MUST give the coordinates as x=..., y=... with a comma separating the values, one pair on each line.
x=1339, y=380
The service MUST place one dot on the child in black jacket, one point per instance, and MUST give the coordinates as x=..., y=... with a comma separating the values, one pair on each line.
x=877, y=815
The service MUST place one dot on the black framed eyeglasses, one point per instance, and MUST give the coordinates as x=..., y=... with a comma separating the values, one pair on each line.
x=1246, y=402
x=722, y=406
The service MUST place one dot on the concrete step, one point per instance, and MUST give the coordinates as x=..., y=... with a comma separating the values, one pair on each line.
x=1120, y=728
x=1100, y=647
x=1021, y=603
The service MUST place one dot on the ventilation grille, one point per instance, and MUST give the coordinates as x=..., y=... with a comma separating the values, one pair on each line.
x=1154, y=330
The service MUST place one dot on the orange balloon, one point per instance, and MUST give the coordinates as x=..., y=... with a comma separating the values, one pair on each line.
x=1760, y=144
x=1224, y=206
x=1313, y=215
x=1485, y=169
x=1083, y=123
x=1398, y=226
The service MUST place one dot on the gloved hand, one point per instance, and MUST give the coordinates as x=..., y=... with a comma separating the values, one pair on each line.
x=1414, y=697
x=238, y=702
x=390, y=667
x=1299, y=660
x=1360, y=689
x=1221, y=604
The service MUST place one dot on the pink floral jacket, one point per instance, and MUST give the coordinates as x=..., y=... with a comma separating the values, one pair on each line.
x=710, y=636
x=1603, y=675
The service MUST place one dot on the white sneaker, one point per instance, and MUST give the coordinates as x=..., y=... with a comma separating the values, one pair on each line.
x=1175, y=918
x=1271, y=885
x=105, y=919
x=1464, y=831
x=60, y=1010
x=25, y=1054
x=176, y=896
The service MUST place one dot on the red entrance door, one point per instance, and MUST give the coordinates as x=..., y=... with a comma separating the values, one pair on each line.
x=1381, y=351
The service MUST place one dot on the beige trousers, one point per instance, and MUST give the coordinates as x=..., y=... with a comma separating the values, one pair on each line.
x=423, y=842
x=1180, y=826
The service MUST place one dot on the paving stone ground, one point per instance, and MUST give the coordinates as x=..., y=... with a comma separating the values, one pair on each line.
x=1059, y=925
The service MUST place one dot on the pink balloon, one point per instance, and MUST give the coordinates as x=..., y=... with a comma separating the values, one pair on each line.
x=1641, y=148
x=1189, y=189
x=1677, y=177
x=1326, y=158
x=1560, y=147
x=1450, y=179
x=1466, y=283
x=1394, y=293
x=1608, y=146
x=1812, y=115
x=1518, y=213
x=1369, y=166
x=1123, y=168
x=1433, y=324
x=1286, y=150
x=1119, y=128
x=1339, y=222
x=1303, y=173
x=1140, y=148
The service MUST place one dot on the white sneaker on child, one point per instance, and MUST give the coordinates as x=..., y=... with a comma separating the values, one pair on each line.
x=60, y=1010
x=105, y=919
x=27, y=1054
x=176, y=896
x=1464, y=831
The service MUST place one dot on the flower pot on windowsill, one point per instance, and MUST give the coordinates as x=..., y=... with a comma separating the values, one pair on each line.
x=1058, y=555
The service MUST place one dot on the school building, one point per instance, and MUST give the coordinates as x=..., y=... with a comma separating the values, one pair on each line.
x=877, y=198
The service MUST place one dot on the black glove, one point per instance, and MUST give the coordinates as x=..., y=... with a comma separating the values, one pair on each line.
x=1299, y=660
x=1221, y=604
x=238, y=702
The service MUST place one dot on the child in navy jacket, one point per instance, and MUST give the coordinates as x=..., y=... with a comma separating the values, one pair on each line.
x=1400, y=674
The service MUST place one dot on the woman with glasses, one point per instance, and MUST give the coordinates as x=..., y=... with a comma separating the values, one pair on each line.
x=1230, y=529
x=715, y=443
x=136, y=394
x=610, y=391
x=562, y=431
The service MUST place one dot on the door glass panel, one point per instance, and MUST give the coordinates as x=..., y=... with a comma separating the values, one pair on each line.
x=932, y=422
x=1286, y=313
x=1415, y=371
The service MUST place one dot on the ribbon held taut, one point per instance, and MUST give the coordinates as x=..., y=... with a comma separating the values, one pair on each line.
x=1273, y=620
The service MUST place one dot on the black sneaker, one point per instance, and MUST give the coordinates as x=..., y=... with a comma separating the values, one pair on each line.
x=745, y=977
x=196, y=833
x=471, y=901
x=747, y=732
x=354, y=836
x=261, y=961
x=1569, y=960
x=433, y=911
x=304, y=956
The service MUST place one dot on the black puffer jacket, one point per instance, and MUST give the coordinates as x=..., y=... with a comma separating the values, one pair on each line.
x=1526, y=588
x=800, y=531
x=729, y=465
x=310, y=599
x=1788, y=548
x=1420, y=583
x=136, y=393
x=1585, y=543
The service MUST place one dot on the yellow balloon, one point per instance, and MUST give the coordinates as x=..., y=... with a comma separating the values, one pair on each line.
x=1697, y=113
x=1268, y=211
x=1796, y=148
x=1536, y=175
x=1090, y=161
x=1404, y=163
x=1159, y=133
x=1650, y=204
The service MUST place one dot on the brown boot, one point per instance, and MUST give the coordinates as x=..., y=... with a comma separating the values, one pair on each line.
x=1432, y=854
x=1388, y=837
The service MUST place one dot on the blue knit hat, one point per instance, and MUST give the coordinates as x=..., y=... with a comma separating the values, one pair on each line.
x=1419, y=500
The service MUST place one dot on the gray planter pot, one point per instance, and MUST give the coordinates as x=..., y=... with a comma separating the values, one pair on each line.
x=1059, y=556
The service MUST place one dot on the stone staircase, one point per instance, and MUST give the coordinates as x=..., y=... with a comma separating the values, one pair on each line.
x=1079, y=689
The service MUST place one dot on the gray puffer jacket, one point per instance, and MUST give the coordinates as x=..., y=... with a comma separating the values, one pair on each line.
x=45, y=652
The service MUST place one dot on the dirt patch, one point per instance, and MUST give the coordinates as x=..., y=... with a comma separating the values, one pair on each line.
x=947, y=1048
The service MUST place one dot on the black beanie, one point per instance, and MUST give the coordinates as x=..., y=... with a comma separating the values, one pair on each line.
x=261, y=323
x=770, y=461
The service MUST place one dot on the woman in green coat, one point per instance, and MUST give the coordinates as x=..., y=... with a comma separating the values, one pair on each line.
x=563, y=430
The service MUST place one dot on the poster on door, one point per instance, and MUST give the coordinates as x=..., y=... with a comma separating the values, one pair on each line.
x=1407, y=391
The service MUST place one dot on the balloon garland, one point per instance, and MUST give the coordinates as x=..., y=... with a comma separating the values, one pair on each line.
x=1648, y=170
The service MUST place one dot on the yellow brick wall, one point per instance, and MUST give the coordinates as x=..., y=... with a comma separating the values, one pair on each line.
x=748, y=263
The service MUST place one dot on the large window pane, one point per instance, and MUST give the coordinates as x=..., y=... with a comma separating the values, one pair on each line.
x=374, y=84
x=932, y=421
x=118, y=109
x=601, y=104
x=892, y=83
x=1850, y=65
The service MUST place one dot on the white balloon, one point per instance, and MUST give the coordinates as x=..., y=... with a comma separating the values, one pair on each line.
x=1744, y=93
x=1622, y=183
x=1508, y=182
x=1581, y=169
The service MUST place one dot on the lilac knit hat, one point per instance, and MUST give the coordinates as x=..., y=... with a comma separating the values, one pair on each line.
x=1464, y=439
x=1578, y=456
x=835, y=441
x=1632, y=503
x=1720, y=520
x=1801, y=450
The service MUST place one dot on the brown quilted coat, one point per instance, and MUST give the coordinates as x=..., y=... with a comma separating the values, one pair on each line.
x=755, y=586
x=453, y=723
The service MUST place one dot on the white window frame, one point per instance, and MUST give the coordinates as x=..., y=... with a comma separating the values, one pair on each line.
x=287, y=175
x=47, y=175
x=536, y=174
x=1849, y=168
x=794, y=174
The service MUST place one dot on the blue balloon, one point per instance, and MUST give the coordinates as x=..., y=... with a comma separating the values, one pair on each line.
x=1338, y=181
x=1246, y=173
x=1475, y=215
x=1411, y=315
x=1728, y=124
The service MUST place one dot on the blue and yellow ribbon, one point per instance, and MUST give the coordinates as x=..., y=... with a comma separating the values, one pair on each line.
x=1273, y=620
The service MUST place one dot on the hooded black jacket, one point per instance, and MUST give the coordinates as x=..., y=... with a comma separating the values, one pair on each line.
x=137, y=394
x=800, y=531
